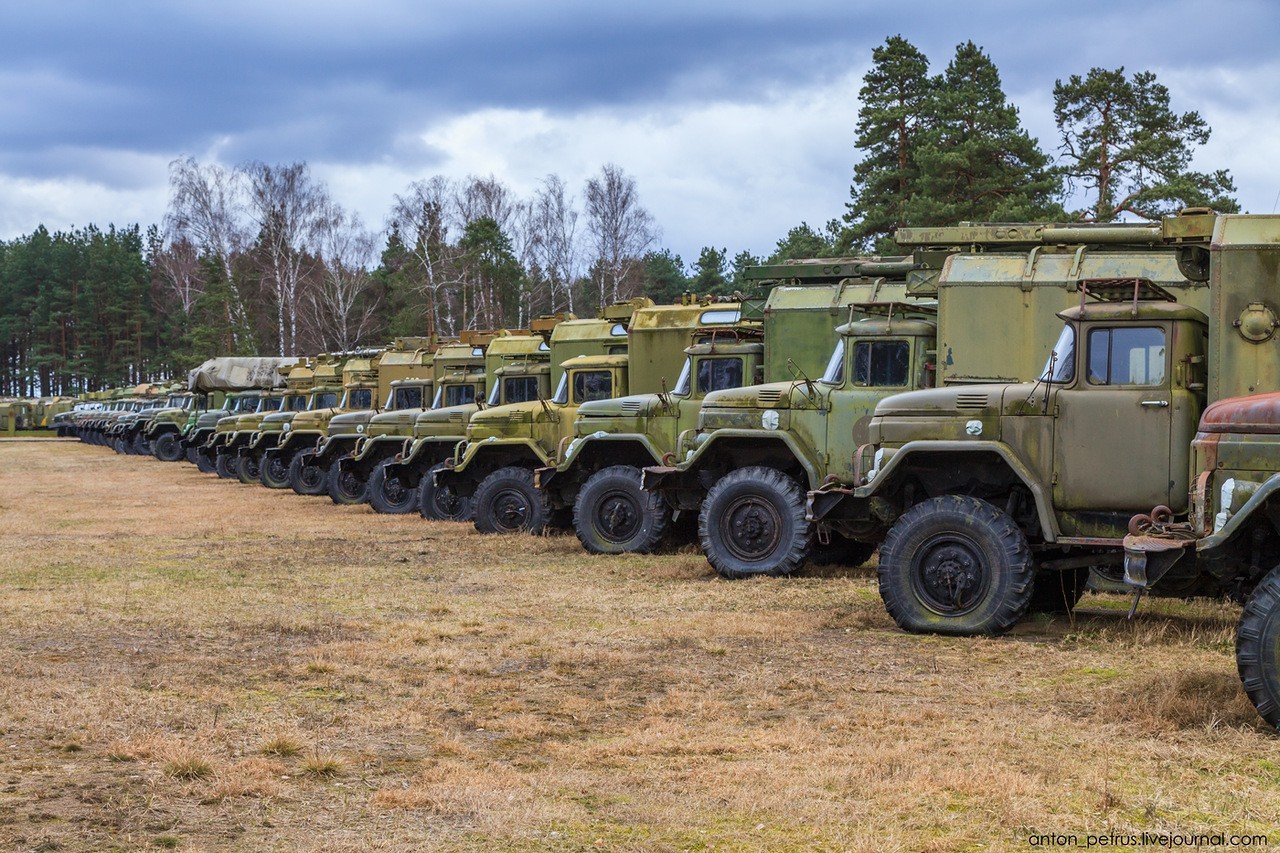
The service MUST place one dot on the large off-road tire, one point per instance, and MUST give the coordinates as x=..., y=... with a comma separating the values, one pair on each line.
x=613, y=515
x=956, y=565
x=204, y=461
x=140, y=446
x=118, y=445
x=442, y=504
x=849, y=553
x=167, y=448
x=306, y=479
x=1058, y=592
x=273, y=472
x=345, y=488
x=387, y=495
x=247, y=469
x=1258, y=647
x=507, y=502
x=752, y=523
x=224, y=465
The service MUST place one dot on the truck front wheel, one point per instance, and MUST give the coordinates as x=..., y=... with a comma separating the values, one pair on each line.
x=441, y=503
x=388, y=495
x=752, y=523
x=1258, y=647
x=225, y=466
x=166, y=448
x=248, y=468
x=956, y=565
x=508, y=502
x=613, y=515
x=306, y=479
x=345, y=487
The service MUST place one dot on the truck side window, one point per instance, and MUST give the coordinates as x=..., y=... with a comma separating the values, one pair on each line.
x=881, y=364
x=1126, y=356
x=520, y=389
x=717, y=374
x=591, y=385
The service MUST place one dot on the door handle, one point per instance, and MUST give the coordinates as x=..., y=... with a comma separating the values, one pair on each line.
x=1157, y=404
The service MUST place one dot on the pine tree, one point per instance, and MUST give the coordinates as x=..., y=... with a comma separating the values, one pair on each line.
x=975, y=160
x=803, y=241
x=738, y=266
x=663, y=275
x=1130, y=150
x=709, y=272
x=896, y=98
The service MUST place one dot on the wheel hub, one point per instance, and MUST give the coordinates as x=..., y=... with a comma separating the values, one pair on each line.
x=618, y=517
x=949, y=575
x=510, y=509
x=754, y=528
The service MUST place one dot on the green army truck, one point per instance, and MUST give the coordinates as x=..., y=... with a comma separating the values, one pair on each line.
x=511, y=367
x=996, y=287
x=219, y=445
x=133, y=430
x=437, y=432
x=792, y=329
x=240, y=381
x=324, y=393
x=506, y=444
x=17, y=415
x=243, y=447
x=307, y=429
x=998, y=499
x=122, y=429
x=406, y=375
x=168, y=424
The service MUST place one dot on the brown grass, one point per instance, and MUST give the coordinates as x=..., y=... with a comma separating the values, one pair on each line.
x=191, y=662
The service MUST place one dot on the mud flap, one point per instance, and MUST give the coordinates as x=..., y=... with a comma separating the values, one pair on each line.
x=542, y=477
x=654, y=477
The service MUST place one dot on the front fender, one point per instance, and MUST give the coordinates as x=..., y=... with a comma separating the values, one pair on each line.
x=1044, y=506
x=1257, y=502
x=576, y=447
x=692, y=462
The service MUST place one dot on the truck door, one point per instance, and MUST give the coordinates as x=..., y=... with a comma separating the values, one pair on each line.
x=1112, y=425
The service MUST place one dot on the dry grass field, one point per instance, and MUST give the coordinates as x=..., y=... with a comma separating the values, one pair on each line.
x=196, y=664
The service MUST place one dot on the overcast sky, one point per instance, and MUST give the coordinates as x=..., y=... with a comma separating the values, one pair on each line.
x=736, y=118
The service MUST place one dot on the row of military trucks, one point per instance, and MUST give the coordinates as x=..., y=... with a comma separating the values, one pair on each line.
x=1006, y=413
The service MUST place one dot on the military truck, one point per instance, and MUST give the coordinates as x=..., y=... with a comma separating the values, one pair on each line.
x=239, y=381
x=511, y=368
x=64, y=423
x=17, y=415
x=406, y=375
x=307, y=429
x=791, y=329
x=461, y=384
x=506, y=444
x=324, y=393
x=996, y=496
x=166, y=426
x=132, y=431
x=234, y=435
x=759, y=473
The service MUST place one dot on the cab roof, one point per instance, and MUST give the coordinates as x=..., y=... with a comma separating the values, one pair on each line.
x=582, y=361
x=1130, y=312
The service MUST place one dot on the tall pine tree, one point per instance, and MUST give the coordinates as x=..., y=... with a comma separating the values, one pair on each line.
x=975, y=161
x=896, y=98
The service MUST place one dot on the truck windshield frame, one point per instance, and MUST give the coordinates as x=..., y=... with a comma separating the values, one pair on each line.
x=1060, y=367
x=1118, y=355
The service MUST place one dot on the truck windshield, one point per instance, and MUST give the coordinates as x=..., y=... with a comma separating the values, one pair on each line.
x=294, y=403
x=270, y=404
x=834, y=374
x=408, y=397
x=358, y=398
x=1061, y=366
x=591, y=385
x=246, y=404
x=324, y=400
x=881, y=364
x=717, y=374
x=682, y=384
x=520, y=389
x=459, y=395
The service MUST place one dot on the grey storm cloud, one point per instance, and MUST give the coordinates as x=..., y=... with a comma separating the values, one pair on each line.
x=98, y=92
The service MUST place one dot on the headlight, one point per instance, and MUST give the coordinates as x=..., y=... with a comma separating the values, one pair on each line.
x=287, y=426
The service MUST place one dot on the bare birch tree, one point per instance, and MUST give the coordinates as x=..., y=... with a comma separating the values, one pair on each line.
x=287, y=205
x=423, y=215
x=178, y=263
x=206, y=207
x=554, y=223
x=620, y=230
x=343, y=304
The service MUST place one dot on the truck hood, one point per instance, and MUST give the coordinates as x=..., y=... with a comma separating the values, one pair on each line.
x=772, y=395
x=636, y=405
x=959, y=400
x=313, y=420
x=449, y=414
x=396, y=416
x=1257, y=414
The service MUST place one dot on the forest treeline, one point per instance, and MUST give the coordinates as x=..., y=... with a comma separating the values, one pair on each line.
x=261, y=259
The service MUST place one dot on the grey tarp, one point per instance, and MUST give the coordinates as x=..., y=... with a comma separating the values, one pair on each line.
x=238, y=373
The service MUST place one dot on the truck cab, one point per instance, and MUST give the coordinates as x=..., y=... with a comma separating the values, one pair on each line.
x=757, y=450
x=983, y=492
x=308, y=469
x=200, y=437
